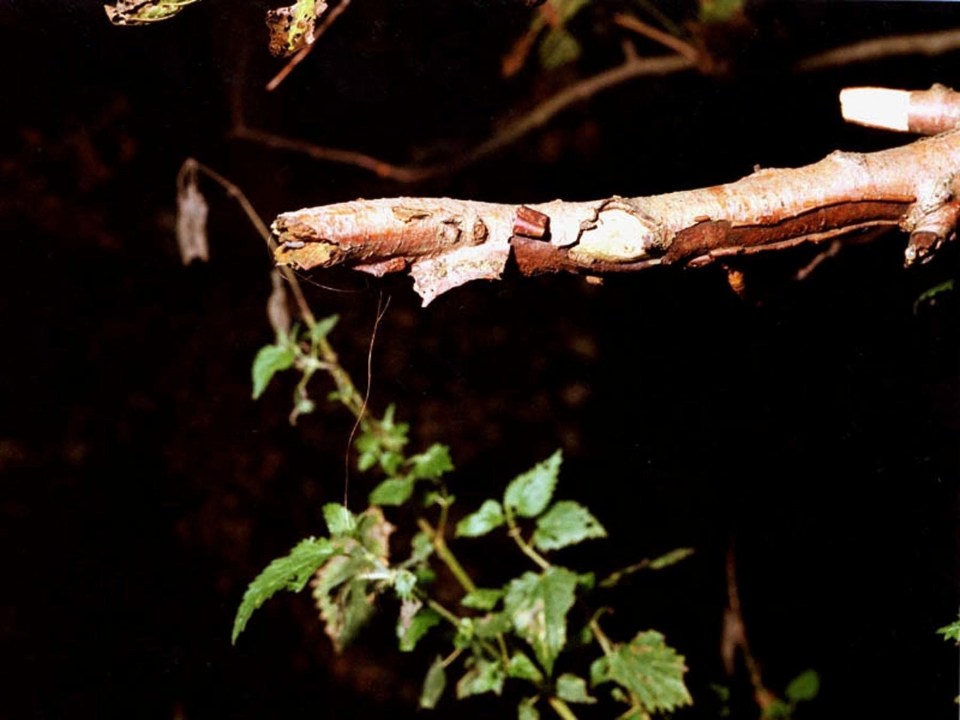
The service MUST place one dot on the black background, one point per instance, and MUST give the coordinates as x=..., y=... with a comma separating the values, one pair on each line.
x=142, y=489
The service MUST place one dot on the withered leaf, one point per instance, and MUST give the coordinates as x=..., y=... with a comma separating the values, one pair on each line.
x=291, y=27
x=144, y=12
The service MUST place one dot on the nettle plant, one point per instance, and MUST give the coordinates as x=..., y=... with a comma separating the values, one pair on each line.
x=518, y=631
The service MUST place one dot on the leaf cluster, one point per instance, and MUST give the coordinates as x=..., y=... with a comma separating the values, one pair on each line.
x=516, y=631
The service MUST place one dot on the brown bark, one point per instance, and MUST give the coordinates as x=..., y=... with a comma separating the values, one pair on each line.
x=445, y=243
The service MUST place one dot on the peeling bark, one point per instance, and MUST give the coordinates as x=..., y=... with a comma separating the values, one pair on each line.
x=445, y=243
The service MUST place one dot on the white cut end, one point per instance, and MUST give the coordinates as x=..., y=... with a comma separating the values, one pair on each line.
x=876, y=107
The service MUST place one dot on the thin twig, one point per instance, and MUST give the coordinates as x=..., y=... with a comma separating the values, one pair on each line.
x=305, y=50
x=535, y=118
x=671, y=42
x=735, y=626
x=932, y=43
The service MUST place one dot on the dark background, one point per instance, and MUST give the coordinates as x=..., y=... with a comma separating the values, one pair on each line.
x=142, y=489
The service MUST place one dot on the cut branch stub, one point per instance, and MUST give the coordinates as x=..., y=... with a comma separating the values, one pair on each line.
x=446, y=242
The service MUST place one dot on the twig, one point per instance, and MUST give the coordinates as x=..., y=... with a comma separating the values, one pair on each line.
x=535, y=118
x=671, y=42
x=735, y=635
x=933, y=43
x=305, y=50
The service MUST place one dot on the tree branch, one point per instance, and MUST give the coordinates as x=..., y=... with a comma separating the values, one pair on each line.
x=445, y=243
x=535, y=118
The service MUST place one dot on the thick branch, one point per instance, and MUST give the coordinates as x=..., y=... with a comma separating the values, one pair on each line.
x=445, y=243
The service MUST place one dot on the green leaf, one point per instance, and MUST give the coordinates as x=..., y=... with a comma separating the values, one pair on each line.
x=320, y=329
x=566, y=9
x=482, y=599
x=345, y=607
x=392, y=491
x=777, y=710
x=649, y=669
x=538, y=606
x=270, y=360
x=717, y=11
x=930, y=294
x=433, y=684
x=951, y=631
x=528, y=494
x=374, y=531
x=804, y=686
x=491, y=625
x=340, y=521
x=482, y=677
x=527, y=710
x=566, y=523
x=410, y=631
x=421, y=547
x=382, y=444
x=290, y=572
x=522, y=667
x=404, y=583
x=487, y=518
x=558, y=48
x=431, y=464
x=573, y=688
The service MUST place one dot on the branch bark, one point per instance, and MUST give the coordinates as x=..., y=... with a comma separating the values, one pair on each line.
x=445, y=242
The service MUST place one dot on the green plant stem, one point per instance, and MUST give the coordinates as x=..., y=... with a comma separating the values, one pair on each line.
x=347, y=391
x=524, y=546
x=561, y=708
x=447, y=556
x=443, y=612
x=601, y=637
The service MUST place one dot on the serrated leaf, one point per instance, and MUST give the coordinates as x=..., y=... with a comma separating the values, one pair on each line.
x=431, y=464
x=144, y=12
x=951, y=631
x=649, y=669
x=410, y=630
x=433, y=684
x=482, y=677
x=558, y=47
x=320, y=329
x=523, y=668
x=392, y=491
x=345, y=601
x=804, y=686
x=340, y=521
x=487, y=518
x=573, y=688
x=538, y=606
x=404, y=583
x=482, y=599
x=270, y=360
x=374, y=531
x=528, y=494
x=526, y=709
x=291, y=28
x=291, y=572
x=566, y=523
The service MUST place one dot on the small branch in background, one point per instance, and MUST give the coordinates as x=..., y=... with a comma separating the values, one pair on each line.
x=305, y=50
x=671, y=42
x=932, y=43
x=734, y=637
x=535, y=118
